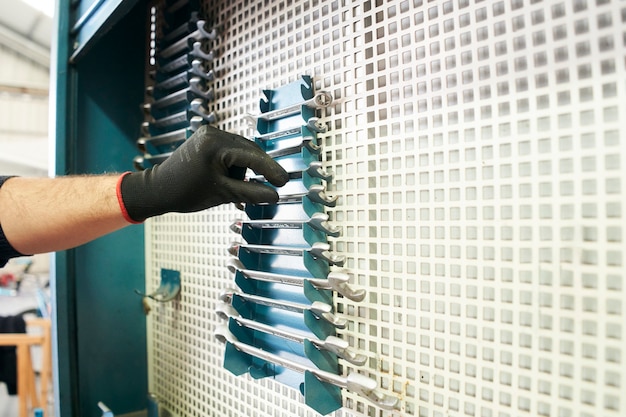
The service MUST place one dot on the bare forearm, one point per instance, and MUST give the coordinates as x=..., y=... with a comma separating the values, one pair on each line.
x=41, y=215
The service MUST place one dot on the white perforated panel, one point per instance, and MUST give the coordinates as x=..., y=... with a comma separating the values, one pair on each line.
x=479, y=156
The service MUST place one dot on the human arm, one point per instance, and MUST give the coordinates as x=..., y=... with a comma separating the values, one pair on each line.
x=42, y=215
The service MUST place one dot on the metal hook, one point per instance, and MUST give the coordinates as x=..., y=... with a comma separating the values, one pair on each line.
x=168, y=289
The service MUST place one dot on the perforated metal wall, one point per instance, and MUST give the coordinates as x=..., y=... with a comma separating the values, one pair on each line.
x=479, y=157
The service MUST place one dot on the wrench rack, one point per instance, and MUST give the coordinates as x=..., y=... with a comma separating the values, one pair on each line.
x=179, y=87
x=282, y=243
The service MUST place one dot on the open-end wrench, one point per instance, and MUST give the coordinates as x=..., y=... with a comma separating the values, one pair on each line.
x=315, y=170
x=194, y=123
x=333, y=344
x=313, y=124
x=316, y=193
x=354, y=382
x=177, y=33
x=185, y=60
x=318, y=221
x=196, y=107
x=175, y=119
x=193, y=90
x=320, y=310
x=319, y=250
x=336, y=280
x=184, y=77
x=168, y=138
x=200, y=34
x=307, y=143
x=321, y=100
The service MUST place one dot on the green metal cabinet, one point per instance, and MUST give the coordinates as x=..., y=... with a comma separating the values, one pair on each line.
x=100, y=324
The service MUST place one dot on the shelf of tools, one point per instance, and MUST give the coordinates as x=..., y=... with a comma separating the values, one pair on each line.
x=281, y=322
x=178, y=84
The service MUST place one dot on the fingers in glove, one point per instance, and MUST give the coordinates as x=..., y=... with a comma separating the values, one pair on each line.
x=238, y=173
x=249, y=192
x=249, y=154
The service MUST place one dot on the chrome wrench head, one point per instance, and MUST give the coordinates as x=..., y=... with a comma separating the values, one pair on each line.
x=338, y=281
x=224, y=311
x=315, y=125
x=233, y=249
x=224, y=335
x=234, y=265
x=236, y=226
x=316, y=170
x=319, y=221
x=342, y=349
x=322, y=99
x=323, y=310
x=321, y=250
x=368, y=388
x=317, y=194
x=226, y=295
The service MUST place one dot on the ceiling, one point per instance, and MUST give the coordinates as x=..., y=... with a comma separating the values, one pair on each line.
x=25, y=29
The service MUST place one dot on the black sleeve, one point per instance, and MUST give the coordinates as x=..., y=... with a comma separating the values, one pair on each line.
x=6, y=250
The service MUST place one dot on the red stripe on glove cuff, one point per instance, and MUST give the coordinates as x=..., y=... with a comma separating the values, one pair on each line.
x=120, y=200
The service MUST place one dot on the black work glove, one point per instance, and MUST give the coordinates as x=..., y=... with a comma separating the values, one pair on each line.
x=205, y=171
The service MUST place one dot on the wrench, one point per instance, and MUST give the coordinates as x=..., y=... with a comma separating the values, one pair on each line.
x=313, y=124
x=183, y=77
x=200, y=34
x=321, y=100
x=336, y=280
x=184, y=94
x=333, y=344
x=168, y=138
x=362, y=385
x=315, y=170
x=307, y=142
x=319, y=250
x=317, y=308
x=185, y=60
x=196, y=107
x=319, y=221
x=194, y=123
x=316, y=193
x=170, y=120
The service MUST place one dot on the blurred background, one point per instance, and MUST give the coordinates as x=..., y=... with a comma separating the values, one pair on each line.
x=25, y=41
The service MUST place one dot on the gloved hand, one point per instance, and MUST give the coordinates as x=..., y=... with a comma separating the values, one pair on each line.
x=205, y=171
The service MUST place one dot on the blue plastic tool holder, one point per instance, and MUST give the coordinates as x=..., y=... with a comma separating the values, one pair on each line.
x=179, y=88
x=296, y=146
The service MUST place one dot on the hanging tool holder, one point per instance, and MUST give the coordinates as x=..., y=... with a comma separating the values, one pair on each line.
x=282, y=270
x=178, y=82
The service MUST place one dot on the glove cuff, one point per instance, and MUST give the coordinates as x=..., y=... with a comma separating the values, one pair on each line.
x=122, y=203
